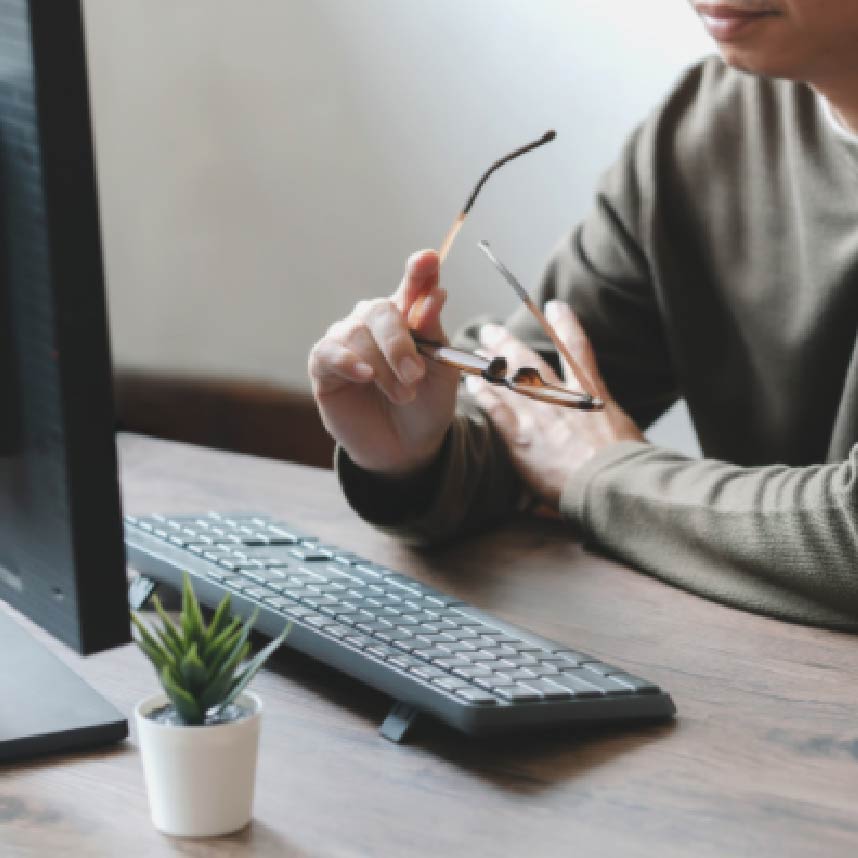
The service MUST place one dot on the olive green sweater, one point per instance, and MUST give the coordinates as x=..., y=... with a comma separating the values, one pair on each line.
x=719, y=264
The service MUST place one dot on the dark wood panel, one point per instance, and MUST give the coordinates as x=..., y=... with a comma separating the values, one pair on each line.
x=240, y=416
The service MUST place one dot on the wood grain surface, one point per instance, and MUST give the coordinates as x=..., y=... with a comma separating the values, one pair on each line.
x=762, y=759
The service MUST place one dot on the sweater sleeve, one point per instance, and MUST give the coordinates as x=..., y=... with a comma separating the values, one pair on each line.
x=775, y=539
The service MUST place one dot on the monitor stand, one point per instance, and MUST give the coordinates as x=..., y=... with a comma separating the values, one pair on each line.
x=45, y=707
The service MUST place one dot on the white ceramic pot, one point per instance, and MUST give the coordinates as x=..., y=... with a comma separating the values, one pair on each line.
x=199, y=779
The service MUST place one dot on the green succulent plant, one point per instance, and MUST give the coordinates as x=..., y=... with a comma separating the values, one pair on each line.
x=201, y=666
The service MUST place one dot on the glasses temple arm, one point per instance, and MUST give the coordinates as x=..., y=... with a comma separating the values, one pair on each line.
x=492, y=369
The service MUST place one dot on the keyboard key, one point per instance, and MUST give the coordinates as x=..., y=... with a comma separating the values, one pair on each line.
x=494, y=680
x=430, y=654
x=523, y=660
x=426, y=629
x=475, y=695
x=549, y=690
x=257, y=592
x=573, y=655
x=519, y=675
x=319, y=621
x=279, y=536
x=381, y=650
x=463, y=634
x=450, y=664
x=599, y=667
x=436, y=639
x=478, y=656
x=328, y=550
x=297, y=612
x=544, y=669
x=391, y=635
x=404, y=662
x=471, y=672
x=578, y=687
x=337, y=631
x=427, y=671
x=450, y=683
x=607, y=684
x=497, y=651
x=640, y=686
x=518, y=693
x=303, y=552
x=455, y=648
x=372, y=628
x=370, y=570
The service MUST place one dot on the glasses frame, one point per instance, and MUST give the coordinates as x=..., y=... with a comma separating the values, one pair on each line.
x=526, y=381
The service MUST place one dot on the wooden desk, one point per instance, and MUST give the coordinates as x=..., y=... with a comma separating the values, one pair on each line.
x=762, y=759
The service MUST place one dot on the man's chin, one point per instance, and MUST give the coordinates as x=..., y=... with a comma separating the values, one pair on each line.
x=752, y=63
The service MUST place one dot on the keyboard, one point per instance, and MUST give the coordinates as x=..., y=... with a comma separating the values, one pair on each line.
x=430, y=651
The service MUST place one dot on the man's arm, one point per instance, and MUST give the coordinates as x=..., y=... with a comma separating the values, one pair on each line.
x=779, y=540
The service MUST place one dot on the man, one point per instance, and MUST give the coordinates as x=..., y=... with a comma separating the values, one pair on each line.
x=720, y=264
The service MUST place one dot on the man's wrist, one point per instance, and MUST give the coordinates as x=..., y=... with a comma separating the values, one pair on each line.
x=386, y=498
x=402, y=471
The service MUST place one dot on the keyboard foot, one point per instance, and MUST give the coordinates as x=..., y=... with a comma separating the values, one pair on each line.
x=399, y=721
x=140, y=590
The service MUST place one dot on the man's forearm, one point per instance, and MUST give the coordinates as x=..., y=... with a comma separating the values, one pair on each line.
x=780, y=540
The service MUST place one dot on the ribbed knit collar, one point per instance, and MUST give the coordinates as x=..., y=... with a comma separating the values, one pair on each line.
x=840, y=129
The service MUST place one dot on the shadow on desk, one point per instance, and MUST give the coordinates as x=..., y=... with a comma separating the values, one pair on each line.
x=522, y=763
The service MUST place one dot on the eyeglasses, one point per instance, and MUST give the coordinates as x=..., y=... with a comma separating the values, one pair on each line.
x=526, y=380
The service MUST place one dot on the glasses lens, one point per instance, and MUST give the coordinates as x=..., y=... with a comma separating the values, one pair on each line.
x=529, y=382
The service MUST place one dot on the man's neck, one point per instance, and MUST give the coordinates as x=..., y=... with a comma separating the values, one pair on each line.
x=842, y=96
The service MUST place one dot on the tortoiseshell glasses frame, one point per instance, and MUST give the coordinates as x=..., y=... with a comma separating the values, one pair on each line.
x=526, y=380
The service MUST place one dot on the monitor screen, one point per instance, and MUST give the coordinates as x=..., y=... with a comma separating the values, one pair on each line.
x=61, y=552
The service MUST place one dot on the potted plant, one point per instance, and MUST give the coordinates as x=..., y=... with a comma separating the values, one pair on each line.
x=199, y=738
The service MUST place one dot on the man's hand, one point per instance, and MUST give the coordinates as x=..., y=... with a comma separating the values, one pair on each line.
x=549, y=443
x=388, y=407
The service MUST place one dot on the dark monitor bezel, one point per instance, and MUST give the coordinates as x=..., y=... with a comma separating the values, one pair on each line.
x=96, y=617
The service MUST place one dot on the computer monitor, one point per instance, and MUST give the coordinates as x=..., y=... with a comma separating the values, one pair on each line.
x=62, y=561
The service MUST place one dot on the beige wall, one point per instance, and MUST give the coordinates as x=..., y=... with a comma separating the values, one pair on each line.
x=265, y=163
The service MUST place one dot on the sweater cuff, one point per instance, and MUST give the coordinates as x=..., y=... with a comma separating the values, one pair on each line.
x=389, y=501
x=575, y=495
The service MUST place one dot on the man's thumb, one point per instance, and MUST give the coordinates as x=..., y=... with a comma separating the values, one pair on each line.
x=425, y=315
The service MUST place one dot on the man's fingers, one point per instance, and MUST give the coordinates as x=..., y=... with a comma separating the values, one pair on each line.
x=357, y=337
x=502, y=415
x=331, y=365
x=393, y=339
x=497, y=340
x=569, y=329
